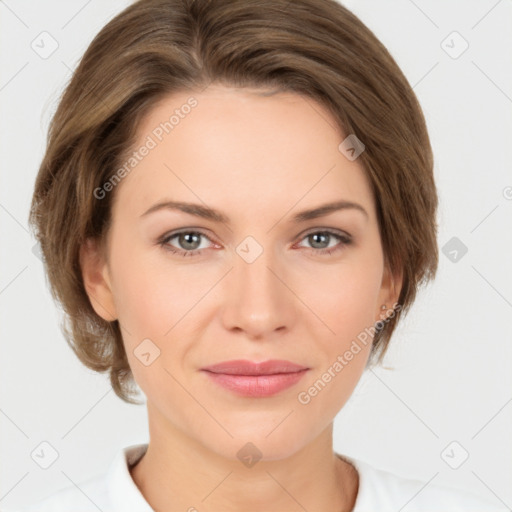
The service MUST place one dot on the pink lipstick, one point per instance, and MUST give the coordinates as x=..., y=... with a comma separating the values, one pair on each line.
x=251, y=379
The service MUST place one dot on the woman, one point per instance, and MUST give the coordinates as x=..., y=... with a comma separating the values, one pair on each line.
x=235, y=208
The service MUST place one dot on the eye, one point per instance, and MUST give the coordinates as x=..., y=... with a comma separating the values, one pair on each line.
x=320, y=241
x=189, y=242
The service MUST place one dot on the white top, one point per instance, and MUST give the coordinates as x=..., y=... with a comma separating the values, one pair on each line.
x=379, y=490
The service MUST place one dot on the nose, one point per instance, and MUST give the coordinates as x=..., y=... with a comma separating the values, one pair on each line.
x=258, y=300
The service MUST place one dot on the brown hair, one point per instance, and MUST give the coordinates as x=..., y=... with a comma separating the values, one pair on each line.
x=153, y=48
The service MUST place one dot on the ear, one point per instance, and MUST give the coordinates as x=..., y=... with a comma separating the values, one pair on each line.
x=389, y=292
x=96, y=278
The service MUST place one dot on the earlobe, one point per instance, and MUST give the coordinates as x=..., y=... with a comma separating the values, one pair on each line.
x=390, y=292
x=96, y=279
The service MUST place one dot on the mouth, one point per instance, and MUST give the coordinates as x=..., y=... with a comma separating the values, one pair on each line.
x=245, y=367
x=257, y=380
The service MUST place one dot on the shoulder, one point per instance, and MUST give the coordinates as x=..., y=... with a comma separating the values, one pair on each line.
x=88, y=496
x=112, y=491
x=385, y=491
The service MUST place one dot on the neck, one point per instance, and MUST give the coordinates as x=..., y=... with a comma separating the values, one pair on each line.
x=177, y=473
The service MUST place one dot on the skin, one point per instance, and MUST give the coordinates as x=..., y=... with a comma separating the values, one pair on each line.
x=260, y=160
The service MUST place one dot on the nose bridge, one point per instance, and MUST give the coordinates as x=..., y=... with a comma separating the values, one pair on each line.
x=259, y=302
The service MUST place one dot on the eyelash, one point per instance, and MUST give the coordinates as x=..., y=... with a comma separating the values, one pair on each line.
x=344, y=239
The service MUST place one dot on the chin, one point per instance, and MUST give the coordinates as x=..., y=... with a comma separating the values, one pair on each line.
x=258, y=441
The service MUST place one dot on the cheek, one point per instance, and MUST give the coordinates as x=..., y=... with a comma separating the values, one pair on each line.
x=151, y=293
x=344, y=295
x=343, y=355
x=329, y=389
x=158, y=302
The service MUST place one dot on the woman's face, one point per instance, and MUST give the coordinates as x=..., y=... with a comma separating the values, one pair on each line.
x=261, y=284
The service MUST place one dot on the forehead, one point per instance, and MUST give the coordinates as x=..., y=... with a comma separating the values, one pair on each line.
x=239, y=146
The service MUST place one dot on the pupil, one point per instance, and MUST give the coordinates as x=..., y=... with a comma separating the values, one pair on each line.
x=316, y=236
x=186, y=237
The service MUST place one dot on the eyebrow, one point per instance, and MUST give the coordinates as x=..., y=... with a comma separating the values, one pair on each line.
x=217, y=216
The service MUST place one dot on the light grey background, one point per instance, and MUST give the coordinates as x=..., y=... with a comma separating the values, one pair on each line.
x=452, y=354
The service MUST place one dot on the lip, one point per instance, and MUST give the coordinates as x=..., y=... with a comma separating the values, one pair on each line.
x=251, y=379
x=245, y=367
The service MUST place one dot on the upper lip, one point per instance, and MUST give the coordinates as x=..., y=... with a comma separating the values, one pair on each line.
x=245, y=367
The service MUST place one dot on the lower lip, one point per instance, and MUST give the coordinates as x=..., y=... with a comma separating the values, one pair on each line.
x=257, y=385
